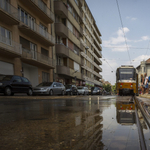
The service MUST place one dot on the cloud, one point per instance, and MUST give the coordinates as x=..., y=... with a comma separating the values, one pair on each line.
x=136, y=61
x=131, y=18
x=145, y=38
x=118, y=43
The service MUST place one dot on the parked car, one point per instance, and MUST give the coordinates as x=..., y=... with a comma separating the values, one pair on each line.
x=49, y=88
x=10, y=84
x=83, y=90
x=2, y=76
x=71, y=90
x=96, y=91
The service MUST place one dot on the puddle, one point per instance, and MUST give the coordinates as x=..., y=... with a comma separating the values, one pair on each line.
x=80, y=124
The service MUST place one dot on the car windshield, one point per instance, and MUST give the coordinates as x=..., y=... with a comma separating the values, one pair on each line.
x=44, y=84
x=68, y=86
x=79, y=87
x=6, y=78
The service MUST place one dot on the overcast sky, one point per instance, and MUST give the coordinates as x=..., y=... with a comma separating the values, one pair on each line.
x=116, y=51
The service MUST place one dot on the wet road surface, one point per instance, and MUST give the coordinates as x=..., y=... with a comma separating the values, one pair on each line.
x=78, y=123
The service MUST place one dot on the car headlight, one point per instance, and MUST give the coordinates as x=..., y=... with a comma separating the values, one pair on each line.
x=1, y=84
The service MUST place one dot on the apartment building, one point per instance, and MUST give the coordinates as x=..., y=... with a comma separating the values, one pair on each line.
x=92, y=49
x=26, y=39
x=77, y=47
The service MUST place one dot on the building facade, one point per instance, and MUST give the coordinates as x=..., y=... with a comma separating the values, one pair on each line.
x=77, y=48
x=50, y=40
x=143, y=68
x=26, y=39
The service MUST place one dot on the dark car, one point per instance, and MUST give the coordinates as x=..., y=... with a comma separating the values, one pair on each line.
x=49, y=88
x=71, y=90
x=11, y=84
x=96, y=91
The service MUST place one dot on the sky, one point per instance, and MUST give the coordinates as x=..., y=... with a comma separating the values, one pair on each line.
x=125, y=41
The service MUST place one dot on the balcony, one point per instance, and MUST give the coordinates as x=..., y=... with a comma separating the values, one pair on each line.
x=9, y=47
x=40, y=10
x=61, y=30
x=61, y=9
x=62, y=50
x=8, y=13
x=37, y=59
x=64, y=70
x=34, y=31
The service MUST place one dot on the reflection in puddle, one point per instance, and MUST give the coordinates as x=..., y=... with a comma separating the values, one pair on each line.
x=81, y=124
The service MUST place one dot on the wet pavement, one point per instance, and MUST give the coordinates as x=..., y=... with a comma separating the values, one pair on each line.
x=71, y=123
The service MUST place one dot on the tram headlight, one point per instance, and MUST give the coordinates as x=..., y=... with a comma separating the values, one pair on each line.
x=120, y=85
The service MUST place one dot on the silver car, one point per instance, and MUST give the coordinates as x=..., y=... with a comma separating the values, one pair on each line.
x=83, y=90
x=49, y=88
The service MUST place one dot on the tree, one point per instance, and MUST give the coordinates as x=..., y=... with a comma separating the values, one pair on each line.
x=107, y=87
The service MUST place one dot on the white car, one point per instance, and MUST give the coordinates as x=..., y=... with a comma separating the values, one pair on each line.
x=82, y=90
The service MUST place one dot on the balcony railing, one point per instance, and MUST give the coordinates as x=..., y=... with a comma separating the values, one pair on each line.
x=7, y=7
x=31, y=54
x=36, y=28
x=44, y=8
x=10, y=45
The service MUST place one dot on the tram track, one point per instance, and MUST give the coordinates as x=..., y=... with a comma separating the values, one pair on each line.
x=142, y=107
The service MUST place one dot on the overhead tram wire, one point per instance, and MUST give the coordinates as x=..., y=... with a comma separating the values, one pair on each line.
x=123, y=30
x=108, y=63
x=125, y=47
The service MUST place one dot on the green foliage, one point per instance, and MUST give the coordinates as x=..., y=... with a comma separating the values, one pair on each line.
x=113, y=89
x=107, y=87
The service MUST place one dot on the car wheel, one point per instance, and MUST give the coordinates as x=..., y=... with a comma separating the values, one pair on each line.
x=51, y=92
x=71, y=93
x=8, y=91
x=62, y=93
x=30, y=92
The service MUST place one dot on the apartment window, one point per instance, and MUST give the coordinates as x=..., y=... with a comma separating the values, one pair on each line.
x=76, y=1
x=26, y=18
x=42, y=6
x=76, y=67
x=45, y=77
x=33, y=50
x=58, y=60
x=43, y=29
x=5, y=35
x=85, y=61
x=5, y=5
x=44, y=52
x=85, y=51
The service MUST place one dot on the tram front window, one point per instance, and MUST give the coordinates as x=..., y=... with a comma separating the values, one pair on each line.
x=126, y=74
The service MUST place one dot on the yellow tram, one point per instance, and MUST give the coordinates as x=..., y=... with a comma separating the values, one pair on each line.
x=126, y=80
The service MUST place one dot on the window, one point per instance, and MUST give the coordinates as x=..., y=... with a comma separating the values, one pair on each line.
x=58, y=60
x=45, y=77
x=42, y=6
x=76, y=1
x=25, y=79
x=44, y=52
x=26, y=18
x=5, y=36
x=16, y=79
x=76, y=67
x=43, y=30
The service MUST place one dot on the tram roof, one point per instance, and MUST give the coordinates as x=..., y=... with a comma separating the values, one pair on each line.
x=126, y=66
